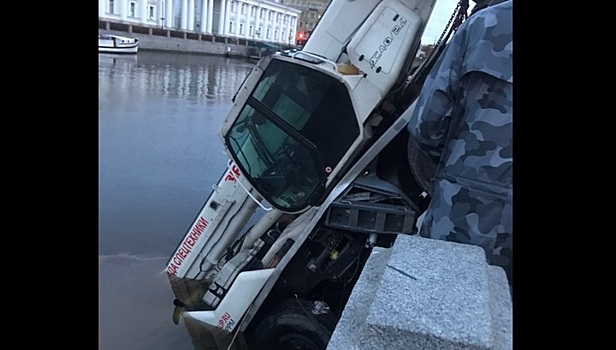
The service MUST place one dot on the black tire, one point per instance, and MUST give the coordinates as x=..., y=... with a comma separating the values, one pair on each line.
x=293, y=326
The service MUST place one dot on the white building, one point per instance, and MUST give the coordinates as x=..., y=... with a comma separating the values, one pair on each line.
x=261, y=20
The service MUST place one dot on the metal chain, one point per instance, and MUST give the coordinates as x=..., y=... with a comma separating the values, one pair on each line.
x=458, y=15
x=454, y=15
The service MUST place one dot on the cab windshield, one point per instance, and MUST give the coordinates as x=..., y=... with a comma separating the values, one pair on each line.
x=294, y=129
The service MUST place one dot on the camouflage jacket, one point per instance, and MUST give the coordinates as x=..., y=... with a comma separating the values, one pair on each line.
x=463, y=120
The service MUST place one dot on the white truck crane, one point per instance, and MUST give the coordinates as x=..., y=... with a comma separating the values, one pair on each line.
x=317, y=176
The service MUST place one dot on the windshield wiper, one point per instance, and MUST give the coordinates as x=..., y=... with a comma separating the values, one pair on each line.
x=258, y=144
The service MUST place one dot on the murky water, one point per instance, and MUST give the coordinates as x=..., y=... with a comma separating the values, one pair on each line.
x=159, y=155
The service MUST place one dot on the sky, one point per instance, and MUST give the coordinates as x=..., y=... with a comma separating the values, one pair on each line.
x=438, y=20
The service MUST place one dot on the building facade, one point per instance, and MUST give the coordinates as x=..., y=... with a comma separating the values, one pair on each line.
x=312, y=10
x=259, y=20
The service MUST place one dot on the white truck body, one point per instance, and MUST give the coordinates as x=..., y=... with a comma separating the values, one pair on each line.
x=302, y=137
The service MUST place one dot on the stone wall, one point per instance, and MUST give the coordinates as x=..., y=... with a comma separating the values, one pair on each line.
x=425, y=294
x=185, y=45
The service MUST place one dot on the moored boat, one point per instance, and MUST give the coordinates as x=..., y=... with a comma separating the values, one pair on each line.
x=109, y=43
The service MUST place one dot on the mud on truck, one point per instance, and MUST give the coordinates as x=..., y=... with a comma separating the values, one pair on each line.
x=317, y=176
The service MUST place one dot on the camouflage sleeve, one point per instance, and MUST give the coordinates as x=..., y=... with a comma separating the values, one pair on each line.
x=430, y=120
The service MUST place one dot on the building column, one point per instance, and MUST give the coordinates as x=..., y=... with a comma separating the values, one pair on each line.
x=184, y=16
x=101, y=8
x=222, y=19
x=204, y=16
x=210, y=12
x=159, y=12
x=144, y=11
x=255, y=25
x=168, y=14
x=122, y=6
x=191, y=14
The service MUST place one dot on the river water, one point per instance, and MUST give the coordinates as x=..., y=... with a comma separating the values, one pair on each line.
x=159, y=155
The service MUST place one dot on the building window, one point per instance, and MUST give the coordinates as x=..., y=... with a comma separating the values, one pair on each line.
x=253, y=11
x=267, y=34
x=231, y=30
x=110, y=6
x=241, y=28
x=262, y=14
x=131, y=9
x=243, y=9
x=276, y=35
x=233, y=6
x=250, y=31
x=151, y=12
x=270, y=15
x=258, y=31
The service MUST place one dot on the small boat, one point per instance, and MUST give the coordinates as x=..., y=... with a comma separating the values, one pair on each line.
x=117, y=44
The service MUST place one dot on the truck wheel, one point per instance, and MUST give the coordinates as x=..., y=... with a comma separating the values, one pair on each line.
x=293, y=326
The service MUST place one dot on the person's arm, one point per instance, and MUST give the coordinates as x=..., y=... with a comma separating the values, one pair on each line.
x=430, y=120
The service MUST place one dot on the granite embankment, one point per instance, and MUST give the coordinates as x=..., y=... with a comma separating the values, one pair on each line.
x=175, y=40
